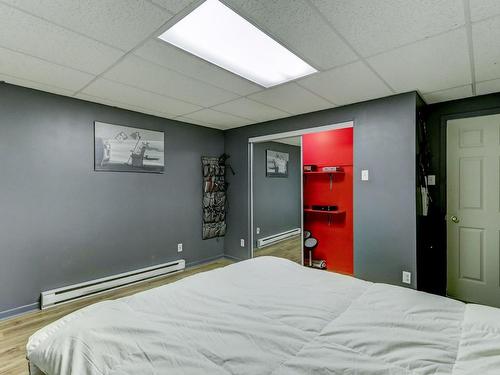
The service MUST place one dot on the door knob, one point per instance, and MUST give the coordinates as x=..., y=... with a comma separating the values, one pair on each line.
x=455, y=219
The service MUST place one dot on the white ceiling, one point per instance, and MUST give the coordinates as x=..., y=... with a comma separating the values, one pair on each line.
x=106, y=51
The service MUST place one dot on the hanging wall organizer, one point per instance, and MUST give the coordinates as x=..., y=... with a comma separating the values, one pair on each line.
x=214, y=197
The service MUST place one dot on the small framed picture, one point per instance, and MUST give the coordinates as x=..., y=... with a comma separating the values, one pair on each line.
x=277, y=163
x=120, y=148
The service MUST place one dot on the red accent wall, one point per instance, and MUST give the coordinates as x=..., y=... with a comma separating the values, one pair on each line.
x=335, y=239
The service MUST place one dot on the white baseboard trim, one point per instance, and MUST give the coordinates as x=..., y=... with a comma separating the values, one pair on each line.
x=35, y=306
x=277, y=237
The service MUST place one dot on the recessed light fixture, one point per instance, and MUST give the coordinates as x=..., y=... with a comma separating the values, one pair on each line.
x=219, y=35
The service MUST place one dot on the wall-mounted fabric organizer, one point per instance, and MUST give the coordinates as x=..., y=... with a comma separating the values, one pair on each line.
x=214, y=198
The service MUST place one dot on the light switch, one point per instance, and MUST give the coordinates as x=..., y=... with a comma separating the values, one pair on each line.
x=431, y=180
x=257, y=230
x=364, y=175
x=242, y=242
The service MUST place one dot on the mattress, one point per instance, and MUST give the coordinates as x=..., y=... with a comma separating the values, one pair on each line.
x=271, y=316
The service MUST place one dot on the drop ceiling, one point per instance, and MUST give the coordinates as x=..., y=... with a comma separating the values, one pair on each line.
x=107, y=51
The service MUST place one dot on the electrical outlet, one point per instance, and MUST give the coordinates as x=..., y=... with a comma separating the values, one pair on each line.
x=242, y=242
x=257, y=230
x=431, y=180
x=406, y=277
x=179, y=247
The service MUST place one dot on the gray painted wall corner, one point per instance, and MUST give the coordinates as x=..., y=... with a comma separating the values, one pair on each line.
x=384, y=208
x=53, y=201
x=62, y=223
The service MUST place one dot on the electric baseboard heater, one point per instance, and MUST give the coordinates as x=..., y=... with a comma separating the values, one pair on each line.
x=70, y=293
x=266, y=241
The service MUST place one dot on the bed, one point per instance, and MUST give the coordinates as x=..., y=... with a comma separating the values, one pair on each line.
x=271, y=316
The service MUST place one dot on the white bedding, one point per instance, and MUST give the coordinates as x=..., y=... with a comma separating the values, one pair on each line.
x=271, y=316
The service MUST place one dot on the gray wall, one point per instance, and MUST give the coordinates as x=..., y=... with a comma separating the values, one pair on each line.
x=276, y=199
x=384, y=207
x=62, y=223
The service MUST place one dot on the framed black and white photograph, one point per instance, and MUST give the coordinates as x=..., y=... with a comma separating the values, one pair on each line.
x=120, y=148
x=277, y=163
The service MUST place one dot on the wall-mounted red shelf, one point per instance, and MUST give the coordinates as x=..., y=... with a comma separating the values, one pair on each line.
x=338, y=212
x=329, y=214
x=321, y=172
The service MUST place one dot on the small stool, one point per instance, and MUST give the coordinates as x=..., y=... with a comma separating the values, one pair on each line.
x=310, y=244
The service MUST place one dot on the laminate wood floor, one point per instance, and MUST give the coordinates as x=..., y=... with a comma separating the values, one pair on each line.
x=14, y=332
x=288, y=249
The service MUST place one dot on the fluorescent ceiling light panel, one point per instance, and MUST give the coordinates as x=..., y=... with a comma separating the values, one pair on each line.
x=219, y=35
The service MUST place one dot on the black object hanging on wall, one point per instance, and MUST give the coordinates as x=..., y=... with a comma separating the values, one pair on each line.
x=214, y=197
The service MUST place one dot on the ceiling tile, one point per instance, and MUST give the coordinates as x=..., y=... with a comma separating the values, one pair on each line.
x=348, y=84
x=292, y=98
x=298, y=27
x=129, y=107
x=171, y=57
x=480, y=9
x=488, y=87
x=151, y=77
x=250, y=109
x=196, y=122
x=102, y=88
x=219, y=119
x=379, y=25
x=174, y=6
x=35, y=85
x=122, y=24
x=429, y=65
x=485, y=37
x=22, y=32
x=28, y=68
x=448, y=94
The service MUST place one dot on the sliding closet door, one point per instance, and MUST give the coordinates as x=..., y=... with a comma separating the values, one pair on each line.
x=276, y=203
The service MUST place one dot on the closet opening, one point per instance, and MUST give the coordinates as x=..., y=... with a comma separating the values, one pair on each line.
x=301, y=197
x=328, y=199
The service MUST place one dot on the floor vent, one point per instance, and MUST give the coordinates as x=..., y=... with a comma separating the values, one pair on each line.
x=70, y=293
x=266, y=241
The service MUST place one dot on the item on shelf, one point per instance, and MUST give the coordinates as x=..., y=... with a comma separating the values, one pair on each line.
x=319, y=263
x=318, y=207
x=332, y=169
x=310, y=168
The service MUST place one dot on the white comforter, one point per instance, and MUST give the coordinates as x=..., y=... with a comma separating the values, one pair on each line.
x=270, y=316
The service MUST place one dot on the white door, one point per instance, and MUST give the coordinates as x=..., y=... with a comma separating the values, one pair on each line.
x=473, y=209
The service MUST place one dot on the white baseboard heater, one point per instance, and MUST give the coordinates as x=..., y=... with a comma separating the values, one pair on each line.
x=266, y=241
x=70, y=293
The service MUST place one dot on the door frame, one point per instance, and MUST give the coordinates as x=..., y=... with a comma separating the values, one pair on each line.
x=443, y=190
x=275, y=136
